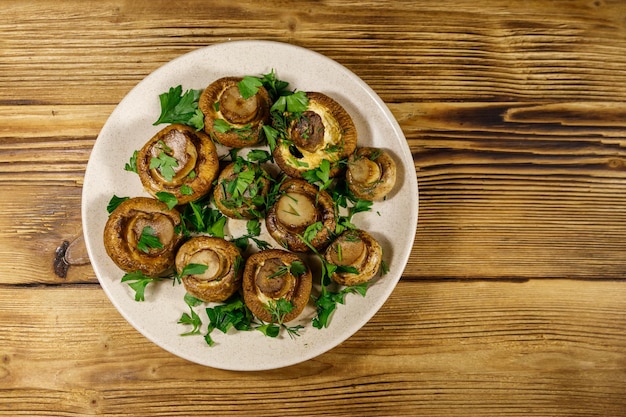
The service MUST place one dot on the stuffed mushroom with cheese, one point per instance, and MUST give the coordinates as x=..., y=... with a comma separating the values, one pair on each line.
x=143, y=234
x=221, y=268
x=231, y=118
x=180, y=161
x=325, y=131
x=272, y=275
x=358, y=250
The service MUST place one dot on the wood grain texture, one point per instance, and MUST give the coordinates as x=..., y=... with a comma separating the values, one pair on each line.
x=551, y=347
x=513, y=300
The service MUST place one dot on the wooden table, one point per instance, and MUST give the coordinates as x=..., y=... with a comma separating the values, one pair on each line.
x=514, y=298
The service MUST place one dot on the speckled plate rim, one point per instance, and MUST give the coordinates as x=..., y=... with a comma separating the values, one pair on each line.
x=392, y=222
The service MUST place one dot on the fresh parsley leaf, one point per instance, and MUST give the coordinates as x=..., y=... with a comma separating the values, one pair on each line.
x=273, y=85
x=269, y=329
x=319, y=175
x=311, y=231
x=168, y=198
x=233, y=314
x=253, y=226
x=193, y=269
x=327, y=302
x=249, y=86
x=139, y=284
x=259, y=155
x=221, y=126
x=165, y=164
x=185, y=189
x=271, y=136
x=200, y=217
x=192, y=318
x=384, y=268
x=114, y=202
x=279, y=310
x=177, y=107
x=297, y=102
x=131, y=165
x=148, y=240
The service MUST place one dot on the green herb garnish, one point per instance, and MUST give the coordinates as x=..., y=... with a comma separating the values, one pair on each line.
x=131, y=165
x=177, y=107
x=139, y=284
x=279, y=310
x=192, y=318
x=148, y=240
x=114, y=202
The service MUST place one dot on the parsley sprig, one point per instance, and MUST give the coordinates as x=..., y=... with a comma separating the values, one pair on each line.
x=179, y=107
x=279, y=310
x=148, y=240
x=253, y=227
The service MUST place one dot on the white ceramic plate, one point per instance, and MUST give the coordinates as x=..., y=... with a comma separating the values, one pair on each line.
x=392, y=222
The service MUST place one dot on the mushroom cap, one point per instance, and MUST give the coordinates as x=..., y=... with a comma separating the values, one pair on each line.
x=371, y=173
x=267, y=277
x=192, y=159
x=222, y=277
x=299, y=205
x=358, y=249
x=125, y=226
x=324, y=131
x=241, y=189
x=243, y=118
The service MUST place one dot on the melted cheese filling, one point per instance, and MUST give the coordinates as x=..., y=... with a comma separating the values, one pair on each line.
x=333, y=136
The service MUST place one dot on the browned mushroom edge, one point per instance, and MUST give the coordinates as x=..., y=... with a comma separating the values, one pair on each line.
x=267, y=278
x=224, y=262
x=358, y=249
x=241, y=190
x=325, y=131
x=180, y=161
x=298, y=206
x=371, y=174
x=125, y=226
x=229, y=118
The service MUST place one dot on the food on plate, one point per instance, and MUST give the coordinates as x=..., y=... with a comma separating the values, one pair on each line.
x=324, y=131
x=273, y=275
x=299, y=205
x=220, y=268
x=241, y=189
x=356, y=249
x=143, y=234
x=180, y=161
x=371, y=173
x=231, y=117
x=308, y=197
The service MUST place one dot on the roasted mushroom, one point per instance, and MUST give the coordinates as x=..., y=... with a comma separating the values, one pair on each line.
x=142, y=234
x=224, y=268
x=232, y=119
x=357, y=249
x=272, y=275
x=300, y=205
x=371, y=174
x=325, y=131
x=241, y=190
x=180, y=161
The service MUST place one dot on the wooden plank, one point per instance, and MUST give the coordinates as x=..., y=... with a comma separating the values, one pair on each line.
x=57, y=52
x=544, y=347
x=493, y=201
